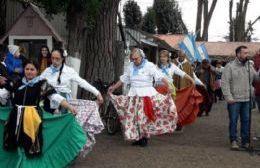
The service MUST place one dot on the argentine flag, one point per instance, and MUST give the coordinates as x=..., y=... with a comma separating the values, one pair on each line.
x=203, y=52
x=188, y=45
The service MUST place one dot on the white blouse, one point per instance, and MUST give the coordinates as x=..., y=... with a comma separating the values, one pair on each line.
x=172, y=70
x=68, y=76
x=141, y=84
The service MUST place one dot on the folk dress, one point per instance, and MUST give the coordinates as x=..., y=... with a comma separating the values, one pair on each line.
x=87, y=111
x=32, y=137
x=144, y=112
x=168, y=71
x=188, y=99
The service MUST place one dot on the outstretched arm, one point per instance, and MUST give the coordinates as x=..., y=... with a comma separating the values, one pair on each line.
x=111, y=89
x=69, y=107
x=165, y=82
x=87, y=86
x=57, y=100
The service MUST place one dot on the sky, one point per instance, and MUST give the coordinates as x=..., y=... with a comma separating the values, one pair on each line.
x=219, y=26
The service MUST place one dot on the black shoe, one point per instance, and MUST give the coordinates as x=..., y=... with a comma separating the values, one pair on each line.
x=179, y=129
x=143, y=142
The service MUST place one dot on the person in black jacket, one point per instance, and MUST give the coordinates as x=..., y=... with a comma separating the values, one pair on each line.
x=4, y=77
x=3, y=70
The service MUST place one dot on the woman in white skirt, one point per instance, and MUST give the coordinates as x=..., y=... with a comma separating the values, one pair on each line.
x=143, y=112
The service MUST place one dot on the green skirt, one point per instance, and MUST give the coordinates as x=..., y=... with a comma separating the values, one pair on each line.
x=63, y=138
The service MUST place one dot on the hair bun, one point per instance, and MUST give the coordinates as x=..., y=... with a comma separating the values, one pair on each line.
x=142, y=53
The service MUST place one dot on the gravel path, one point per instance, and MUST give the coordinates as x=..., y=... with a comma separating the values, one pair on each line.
x=203, y=144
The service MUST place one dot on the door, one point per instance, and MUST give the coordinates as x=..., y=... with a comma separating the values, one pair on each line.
x=31, y=47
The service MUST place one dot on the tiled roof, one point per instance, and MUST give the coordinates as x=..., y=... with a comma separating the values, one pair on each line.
x=20, y=28
x=228, y=48
x=214, y=48
x=171, y=39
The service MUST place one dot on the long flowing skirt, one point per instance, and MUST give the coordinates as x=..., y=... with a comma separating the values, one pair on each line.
x=135, y=123
x=89, y=119
x=63, y=139
x=188, y=102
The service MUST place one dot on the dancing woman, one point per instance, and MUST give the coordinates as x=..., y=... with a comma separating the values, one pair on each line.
x=169, y=70
x=31, y=136
x=143, y=112
x=61, y=77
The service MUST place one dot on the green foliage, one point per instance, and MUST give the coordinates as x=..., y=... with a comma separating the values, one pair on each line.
x=132, y=14
x=90, y=7
x=168, y=17
x=93, y=10
x=149, y=24
x=53, y=6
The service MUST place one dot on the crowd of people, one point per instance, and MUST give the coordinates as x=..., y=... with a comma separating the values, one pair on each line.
x=42, y=120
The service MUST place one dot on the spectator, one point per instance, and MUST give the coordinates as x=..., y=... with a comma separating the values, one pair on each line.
x=236, y=89
x=13, y=63
x=218, y=91
x=206, y=73
x=256, y=60
x=44, y=58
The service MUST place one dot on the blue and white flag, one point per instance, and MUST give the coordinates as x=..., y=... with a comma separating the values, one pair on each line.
x=188, y=45
x=203, y=52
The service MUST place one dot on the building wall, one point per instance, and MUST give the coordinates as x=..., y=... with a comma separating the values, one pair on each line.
x=135, y=34
x=14, y=9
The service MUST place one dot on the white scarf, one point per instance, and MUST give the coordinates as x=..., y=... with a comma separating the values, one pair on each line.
x=181, y=63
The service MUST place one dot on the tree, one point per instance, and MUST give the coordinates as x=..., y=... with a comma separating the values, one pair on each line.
x=250, y=30
x=168, y=17
x=132, y=14
x=100, y=52
x=149, y=24
x=2, y=17
x=92, y=30
x=237, y=24
x=202, y=10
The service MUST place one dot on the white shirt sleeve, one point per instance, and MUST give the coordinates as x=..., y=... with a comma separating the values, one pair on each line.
x=83, y=83
x=55, y=100
x=178, y=71
x=155, y=72
x=197, y=80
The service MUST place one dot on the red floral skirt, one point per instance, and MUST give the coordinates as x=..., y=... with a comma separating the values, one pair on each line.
x=134, y=120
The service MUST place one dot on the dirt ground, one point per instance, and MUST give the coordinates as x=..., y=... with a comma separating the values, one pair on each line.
x=204, y=144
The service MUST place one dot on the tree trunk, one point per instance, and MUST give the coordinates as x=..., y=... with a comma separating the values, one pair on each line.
x=239, y=21
x=2, y=17
x=100, y=46
x=75, y=23
x=231, y=22
x=119, y=59
x=207, y=14
x=207, y=18
x=198, y=20
x=205, y=22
